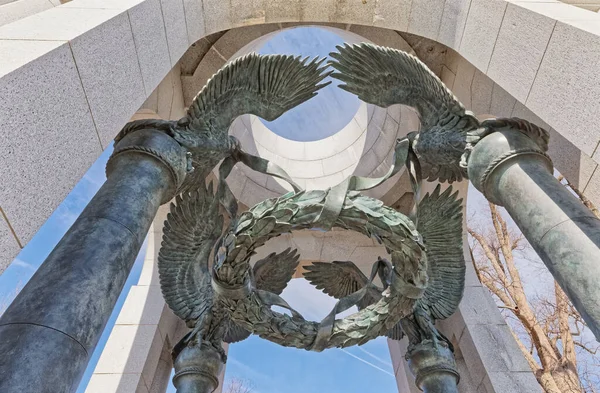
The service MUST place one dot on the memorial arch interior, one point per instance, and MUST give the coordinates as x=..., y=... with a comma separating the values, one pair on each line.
x=246, y=161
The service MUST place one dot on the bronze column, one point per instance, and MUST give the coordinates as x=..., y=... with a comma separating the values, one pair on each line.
x=197, y=369
x=511, y=170
x=49, y=332
x=433, y=367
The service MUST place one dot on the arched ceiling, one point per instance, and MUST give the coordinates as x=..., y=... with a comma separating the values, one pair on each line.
x=364, y=147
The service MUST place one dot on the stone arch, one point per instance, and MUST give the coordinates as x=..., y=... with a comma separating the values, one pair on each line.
x=539, y=56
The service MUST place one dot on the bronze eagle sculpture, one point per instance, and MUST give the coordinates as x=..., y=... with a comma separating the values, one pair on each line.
x=191, y=232
x=439, y=221
x=263, y=85
x=385, y=76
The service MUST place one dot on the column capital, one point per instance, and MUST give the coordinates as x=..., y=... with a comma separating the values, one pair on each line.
x=498, y=151
x=433, y=366
x=158, y=145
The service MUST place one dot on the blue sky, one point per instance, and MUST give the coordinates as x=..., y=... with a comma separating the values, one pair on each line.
x=332, y=108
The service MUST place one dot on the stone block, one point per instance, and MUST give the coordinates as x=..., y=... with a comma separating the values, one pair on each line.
x=519, y=50
x=453, y=22
x=371, y=135
x=110, y=73
x=392, y=14
x=481, y=31
x=58, y=24
x=566, y=89
x=463, y=81
x=143, y=306
x=386, y=140
x=395, y=111
x=383, y=37
x=196, y=20
x=337, y=163
x=129, y=348
x=357, y=148
x=337, y=250
x=503, y=103
x=176, y=31
x=247, y=12
x=17, y=53
x=367, y=164
x=278, y=186
x=100, y=4
x=61, y=139
x=117, y=383
x=410, y=120
x=237, y=181
x=425, y=18
x=355, y=12
x=279, y=11
x=308, y=245
x=9, y=247
x=276, y=244
x=235, y=39
x=476, y=342
x=362, y=119
x=256, y=177
x=478, y=307
x=318, y=11
x=290, y=149
x=481, y=93
x=254, y=193
x=150, y=43
x=21, y=9
x=365, y=256
x=592, y=189
x=178, y=109
x=523, y=112
x=304, y=169
x=452, y=60
x=559, y=10
x=194, y=55
x=501, y=382
x=574, y=165
x=210, y=64
x=153, y=357
x=448, y=77
x=324, y=182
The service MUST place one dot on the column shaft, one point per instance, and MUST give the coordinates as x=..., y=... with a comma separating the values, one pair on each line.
x=51, y=329
x=564, y=233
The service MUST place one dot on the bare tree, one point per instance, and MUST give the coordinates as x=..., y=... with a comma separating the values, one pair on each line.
x=579, y=194
x=238, y=385
x=548, y=329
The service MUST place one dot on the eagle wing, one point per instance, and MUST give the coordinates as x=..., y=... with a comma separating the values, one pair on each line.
x=192, y=227
x=440, y=223
x=265, y=86
x=340, y=279
x=273, y=273
x=386, y=76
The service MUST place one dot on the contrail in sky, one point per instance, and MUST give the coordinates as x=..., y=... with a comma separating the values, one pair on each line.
x=374, y=356
x=369, y=363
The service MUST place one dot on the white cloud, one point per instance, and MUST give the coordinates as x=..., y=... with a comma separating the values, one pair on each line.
x=21, y=263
